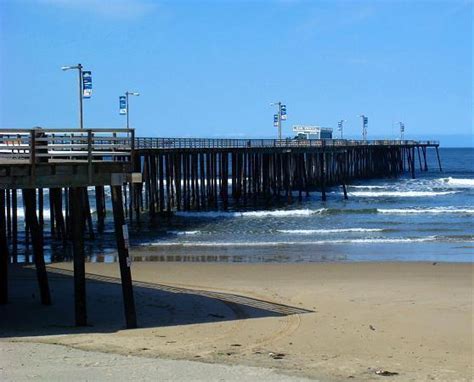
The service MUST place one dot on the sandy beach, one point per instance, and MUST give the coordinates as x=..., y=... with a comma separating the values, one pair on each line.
x=325, y=321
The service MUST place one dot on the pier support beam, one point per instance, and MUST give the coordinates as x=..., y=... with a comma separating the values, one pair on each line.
x=4, y=256
x=121, y=236
x=36, y=231
x=76, y=198
x=439, y=160
x=322, y=164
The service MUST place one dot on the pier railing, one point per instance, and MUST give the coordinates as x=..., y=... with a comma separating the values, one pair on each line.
x=62, y=145
x=217, y=143
x=92, y=145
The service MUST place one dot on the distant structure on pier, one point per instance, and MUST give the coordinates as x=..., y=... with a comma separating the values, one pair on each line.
x=312, y=132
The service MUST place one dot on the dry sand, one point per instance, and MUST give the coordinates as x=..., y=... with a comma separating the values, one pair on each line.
x=338, y=321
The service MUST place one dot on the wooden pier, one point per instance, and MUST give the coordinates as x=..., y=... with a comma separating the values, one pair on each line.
x=193, y=174
x=162, y=175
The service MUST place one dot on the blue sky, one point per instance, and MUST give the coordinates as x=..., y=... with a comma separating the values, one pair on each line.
x=212, y=68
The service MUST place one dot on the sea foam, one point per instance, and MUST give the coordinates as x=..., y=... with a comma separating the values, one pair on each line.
x=324, y=231
x=404, y=194
x=290, y=243
x=184, y=233
x=434, y=210
x=250, y=214
x=458, y=182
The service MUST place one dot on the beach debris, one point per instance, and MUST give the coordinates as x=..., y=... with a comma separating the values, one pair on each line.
x=385, y=373
x=371, y=327
x=216, y=315
x=235, y=345
x=277, y=355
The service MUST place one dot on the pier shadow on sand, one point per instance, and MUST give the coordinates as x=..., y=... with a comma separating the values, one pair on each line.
x=157, y=305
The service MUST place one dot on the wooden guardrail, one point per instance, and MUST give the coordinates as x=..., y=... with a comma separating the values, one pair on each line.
x=48, y=145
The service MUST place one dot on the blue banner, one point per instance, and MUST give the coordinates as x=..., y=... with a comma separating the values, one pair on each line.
x=123, y=105
x=86, y=84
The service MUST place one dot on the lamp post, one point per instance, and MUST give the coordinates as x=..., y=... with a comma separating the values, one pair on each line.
x=79, y=69
x=402, y=130
x=340, y=127
x=365, y=122
x=127, y=93
x=280, y=116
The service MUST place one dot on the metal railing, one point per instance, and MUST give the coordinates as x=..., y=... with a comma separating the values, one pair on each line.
x=204, y=143
x=56, y=145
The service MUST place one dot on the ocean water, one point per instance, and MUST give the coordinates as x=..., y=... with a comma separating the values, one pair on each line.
x=429, y=218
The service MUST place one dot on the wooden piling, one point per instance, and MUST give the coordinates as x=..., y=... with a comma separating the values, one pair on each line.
x=121, y=236
x=322, y=163
x=8, y=210
x=439, y=160
x=29, y=200
x=4, y=253
x=76, y=198
x=100, y=207
x=14, y=226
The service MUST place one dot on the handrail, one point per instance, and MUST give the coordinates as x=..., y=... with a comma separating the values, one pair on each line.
x=37, y=145
x=92, y=145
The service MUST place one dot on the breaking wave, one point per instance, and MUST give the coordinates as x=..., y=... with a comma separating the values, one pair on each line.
x=434, y=210
x=251, y=214
x=458, y=182
x=409, y=194
x=323, y=231
x=183, y=233
x=289, y=243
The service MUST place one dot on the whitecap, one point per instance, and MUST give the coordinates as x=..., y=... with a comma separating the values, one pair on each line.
x=408, y=194
x=371, y=187
x=458, y=182
x=249, y=214
x=324, y=231
x=434, y=210
x=184, y=233
x=290, y=243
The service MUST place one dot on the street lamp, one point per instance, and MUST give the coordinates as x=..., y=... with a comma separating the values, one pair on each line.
x=79, y=69
x=280, y=116
x=402, y=130
x=127, y=93
x=365, y=122
x=340, y=127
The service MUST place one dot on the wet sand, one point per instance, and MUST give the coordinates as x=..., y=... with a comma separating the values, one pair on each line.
x=330, y=321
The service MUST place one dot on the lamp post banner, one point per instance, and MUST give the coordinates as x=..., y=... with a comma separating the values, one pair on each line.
x=123, y=105
x=86, y=84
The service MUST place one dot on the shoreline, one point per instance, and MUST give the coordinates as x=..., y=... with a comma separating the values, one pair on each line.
x=338, y=319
